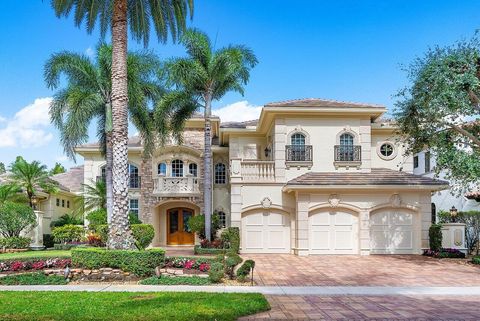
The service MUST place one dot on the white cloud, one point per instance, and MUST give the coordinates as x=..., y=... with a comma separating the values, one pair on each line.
x=90, y=52
x=61, y=158
x=2, y=119
x=28, y=127
x=239, y=111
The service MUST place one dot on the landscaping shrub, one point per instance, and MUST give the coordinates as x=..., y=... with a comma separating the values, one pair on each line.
x=95, y=239
x=445, y=253
x=32, y=279
x=231, y=261
x=244, y=270
x=102, y=230
x=214, y=244
x=435, y=237
x=140, y=263
x=48, y=240
x=15, y=218
x=68, y=233
x=67, y=219
x=189, y=263
x=34, y=264
x=68, y=246
x=231, y=239
x=133, y=219
x=96, y=217
x=197, y=225
x=200, y=250
x=177, y=280
x=143, y=234
x=476, y=260
x=15, y=242
x=216, y=272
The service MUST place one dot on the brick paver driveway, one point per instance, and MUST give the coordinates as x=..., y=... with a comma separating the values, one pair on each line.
x=371, y=307
x=373, y=270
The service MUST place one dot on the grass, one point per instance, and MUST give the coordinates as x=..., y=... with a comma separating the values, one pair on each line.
x=34, y=255
x=129, y=306
x=178, y=280
x=32, y=279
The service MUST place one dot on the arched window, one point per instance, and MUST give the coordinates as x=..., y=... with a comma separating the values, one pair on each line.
x=298, y=151
x=222, y=218
x=177, y=168
x=434, y=213
x=346, y=151
x=162, y=169
x=220, y=174
x=134, y=178
x=193, y=169
x=298, y=139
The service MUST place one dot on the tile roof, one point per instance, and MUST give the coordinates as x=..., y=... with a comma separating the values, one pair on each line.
x=243, y=124
x=318, y=102
x=133, y=141
x=377, y=176
x=71, y=180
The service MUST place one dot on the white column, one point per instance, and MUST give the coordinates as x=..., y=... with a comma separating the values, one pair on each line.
x=236, y=192
x=302, y=232
x=364, y=232
x=37, y=239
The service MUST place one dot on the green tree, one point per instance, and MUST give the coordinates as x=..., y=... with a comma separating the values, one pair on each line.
x=2, y=168
x=207, y=75
x=57, y=169
x=440, y=110
x=95, y=195
x=12, y=192
x=15, y=218
x=32, y=177
x=88, y=97
x=168, y=17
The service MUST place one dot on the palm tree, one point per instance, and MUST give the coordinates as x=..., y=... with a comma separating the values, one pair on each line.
x=95, y=195
x=88, y=95
x=12, y=192
x=168, y=17
x=207, y=75
x=31, y=177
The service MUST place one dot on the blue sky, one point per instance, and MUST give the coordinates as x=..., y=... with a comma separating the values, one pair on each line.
x=346, y=50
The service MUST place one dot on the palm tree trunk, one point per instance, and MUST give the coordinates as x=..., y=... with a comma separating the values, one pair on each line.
x=108, y=174
x=207, y=164
x=120, y=236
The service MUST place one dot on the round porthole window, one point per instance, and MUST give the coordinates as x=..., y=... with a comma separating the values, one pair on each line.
x=386, y=151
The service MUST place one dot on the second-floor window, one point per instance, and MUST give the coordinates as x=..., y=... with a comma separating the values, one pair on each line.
x=177, y=168
x=134, y=178
x=193, y=169
x=162, y=169
x=346, y=148
x=297, y=151
x=220, y=173
x=427, y=162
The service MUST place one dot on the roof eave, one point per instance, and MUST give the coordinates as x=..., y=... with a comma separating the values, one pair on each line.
x=303, y=187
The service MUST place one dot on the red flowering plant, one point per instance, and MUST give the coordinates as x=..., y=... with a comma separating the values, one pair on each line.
x=204, y=267
x=13, y=266
x=187, y=263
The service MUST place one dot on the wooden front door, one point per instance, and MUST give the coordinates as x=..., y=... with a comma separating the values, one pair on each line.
x=178, y=231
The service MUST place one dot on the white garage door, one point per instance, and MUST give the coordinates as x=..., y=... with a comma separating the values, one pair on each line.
x=266, y=232
x=333, y=232
x=391, y=232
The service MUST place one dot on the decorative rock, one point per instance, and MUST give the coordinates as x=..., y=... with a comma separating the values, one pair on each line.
x=158, y=271
x=87, y=272
x=171, y=271
x=179, y=272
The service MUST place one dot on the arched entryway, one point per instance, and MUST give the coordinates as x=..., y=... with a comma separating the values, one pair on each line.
x=178, y=229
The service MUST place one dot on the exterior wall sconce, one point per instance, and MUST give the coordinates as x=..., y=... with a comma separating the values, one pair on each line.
x=267, y=151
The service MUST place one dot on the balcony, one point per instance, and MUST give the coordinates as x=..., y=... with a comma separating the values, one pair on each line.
x=176, y=186
x=299, y=156
x=258, y=171
x=347, y=156
x=134, y=182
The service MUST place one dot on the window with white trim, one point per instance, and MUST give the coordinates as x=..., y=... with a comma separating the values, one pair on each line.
x=162, y=169
x=177, y=168
x=133, y=207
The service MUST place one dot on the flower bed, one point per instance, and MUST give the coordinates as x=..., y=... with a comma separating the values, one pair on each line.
x=189, y=263
x=201, y=250
x=445, y=253
x=34, y=264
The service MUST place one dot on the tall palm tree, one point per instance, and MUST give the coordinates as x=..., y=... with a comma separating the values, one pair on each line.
x=12, y=192
x=88, y=96
x=207, y=75
x=31, y=177
x=168, y=17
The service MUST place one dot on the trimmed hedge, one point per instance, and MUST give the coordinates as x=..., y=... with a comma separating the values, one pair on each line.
x=68, y=233
x=201, y=250
x=32, y=279
x=216, y=272
x=244, y=270
x=140, y=263
x=66, y=247
x=143, y=234
x=15, y=242
x=435, y=237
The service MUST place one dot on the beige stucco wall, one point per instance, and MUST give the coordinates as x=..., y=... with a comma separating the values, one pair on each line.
x=52, y=212
x=398, y=162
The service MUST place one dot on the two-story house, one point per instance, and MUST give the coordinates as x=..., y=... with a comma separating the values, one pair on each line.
x=309, y=176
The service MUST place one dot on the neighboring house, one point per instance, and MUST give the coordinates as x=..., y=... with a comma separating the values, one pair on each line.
x=63, y=202
x=311, y=176
x=424, y=164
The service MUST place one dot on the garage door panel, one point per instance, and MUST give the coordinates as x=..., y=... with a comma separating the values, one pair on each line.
x=333, y=232
x=320, y=240
x=265, y=232
x=392, y=232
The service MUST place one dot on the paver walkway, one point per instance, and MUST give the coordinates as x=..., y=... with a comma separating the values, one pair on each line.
x=371, y=307
x=350, y=270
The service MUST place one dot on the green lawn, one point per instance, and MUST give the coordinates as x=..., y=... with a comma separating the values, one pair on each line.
x=34, y=254
x=129, y=306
